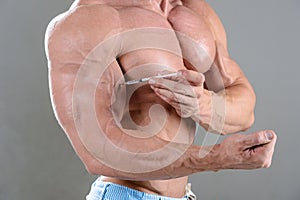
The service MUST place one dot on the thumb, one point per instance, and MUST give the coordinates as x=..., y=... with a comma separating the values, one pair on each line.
x=192, y=76
x=258, y=138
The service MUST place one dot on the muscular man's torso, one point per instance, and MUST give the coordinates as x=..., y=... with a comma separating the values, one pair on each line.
x=187, y=17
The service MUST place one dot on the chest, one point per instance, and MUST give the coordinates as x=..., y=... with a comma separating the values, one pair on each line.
x=151, y=41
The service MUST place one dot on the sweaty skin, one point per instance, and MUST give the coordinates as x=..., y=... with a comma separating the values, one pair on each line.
x=73, y=35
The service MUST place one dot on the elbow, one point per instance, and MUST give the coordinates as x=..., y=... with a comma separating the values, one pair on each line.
x=92, y=170
x=93, y=167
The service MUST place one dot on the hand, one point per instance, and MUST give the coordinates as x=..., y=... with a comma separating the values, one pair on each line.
x=185, y=93
x=247, y=151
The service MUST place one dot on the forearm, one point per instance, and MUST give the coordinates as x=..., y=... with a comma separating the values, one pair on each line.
x=192, y=161
x=230, y=110
x=237, y=151
x=240, y=104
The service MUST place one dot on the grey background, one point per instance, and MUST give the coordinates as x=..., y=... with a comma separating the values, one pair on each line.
x=36, y=159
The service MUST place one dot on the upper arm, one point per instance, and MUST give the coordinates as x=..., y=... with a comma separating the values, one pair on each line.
x=68, y=41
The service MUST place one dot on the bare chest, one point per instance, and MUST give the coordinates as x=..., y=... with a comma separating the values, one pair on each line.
x=152, y=41
x=163, y=33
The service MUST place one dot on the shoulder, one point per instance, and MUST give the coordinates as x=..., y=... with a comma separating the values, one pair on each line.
x=82, y=25
x=203, y=8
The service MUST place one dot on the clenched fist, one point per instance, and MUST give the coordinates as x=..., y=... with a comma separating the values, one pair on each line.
x=247, y=151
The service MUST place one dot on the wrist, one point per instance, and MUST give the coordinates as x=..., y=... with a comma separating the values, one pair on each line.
x=214, y=120
x=203, y=113
x=210, y=158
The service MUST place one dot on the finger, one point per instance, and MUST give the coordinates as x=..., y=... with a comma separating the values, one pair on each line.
x=264, y=153
x=164, y=72
x=270, y=152
x=168, y=99
x=178, y=98
x=173, y=86
x=268, y=147
x=179, y=78
x=183, y=110
x=193, y=76
x=258, y=138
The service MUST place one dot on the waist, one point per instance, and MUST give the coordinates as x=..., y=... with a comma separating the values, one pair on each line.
x=153, y=189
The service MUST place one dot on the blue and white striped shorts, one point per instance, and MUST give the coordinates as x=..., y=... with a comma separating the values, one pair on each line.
x=110, y=191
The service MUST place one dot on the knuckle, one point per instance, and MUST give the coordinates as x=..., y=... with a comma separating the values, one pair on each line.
x=175, y=98
x=263, y=162
x=198, y=93
x=184, y=81
x=181, y=91
x=202, y=78
x=260, y=137
x=267, y=165
x=184, y=113
x=275, y=136
x=199, y=78
x=171, y=95
x=172, y=102
x=158, y=82
x=195, y=105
